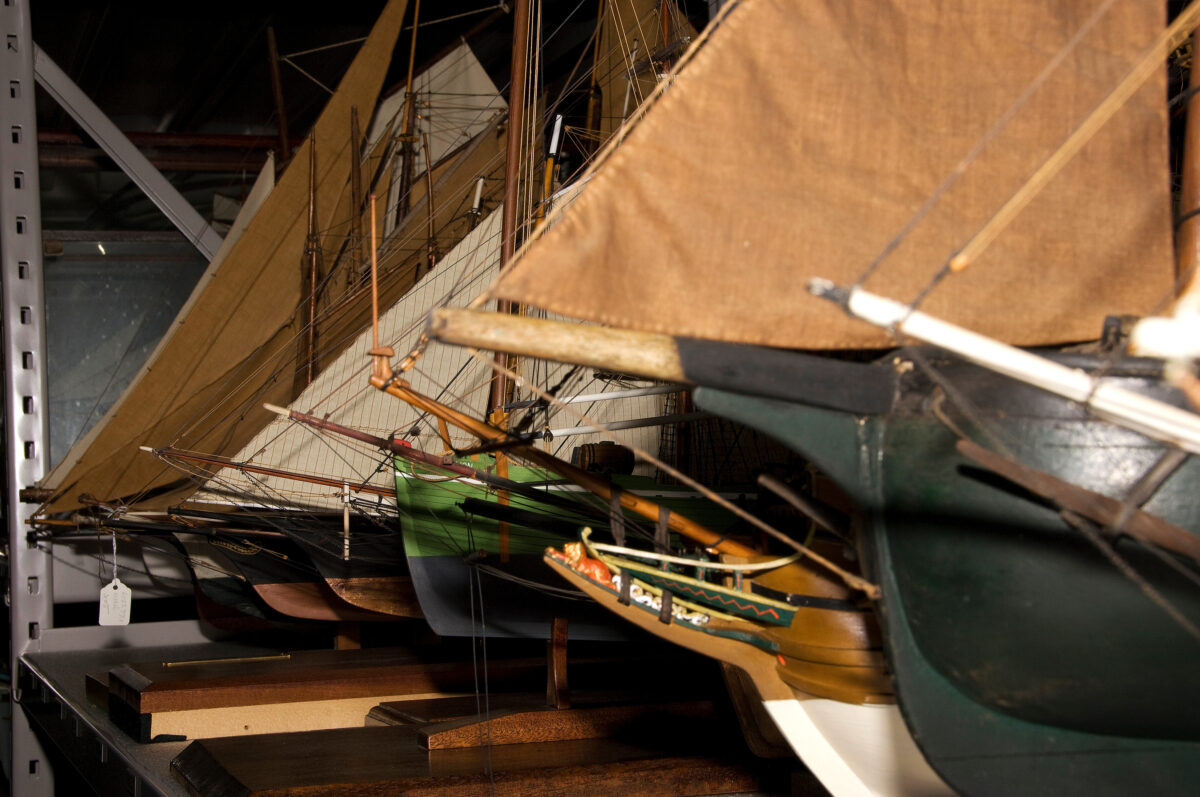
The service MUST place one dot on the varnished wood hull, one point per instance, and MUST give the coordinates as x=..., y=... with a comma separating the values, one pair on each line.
x=851, y=748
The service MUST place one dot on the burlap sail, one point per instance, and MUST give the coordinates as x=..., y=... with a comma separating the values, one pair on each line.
x=804, y=135
x=222, y=354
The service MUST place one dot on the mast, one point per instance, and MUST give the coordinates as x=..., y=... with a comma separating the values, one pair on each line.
x=285, y=147
x=516, y=108
x=594, y=98
x=313, y=254
x=431, y=239
x=356, y=199
x=407, y=138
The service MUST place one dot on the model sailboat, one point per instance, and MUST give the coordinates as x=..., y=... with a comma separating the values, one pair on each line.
x=898, y=132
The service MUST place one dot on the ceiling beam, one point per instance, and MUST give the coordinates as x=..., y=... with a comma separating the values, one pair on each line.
x=118, y=147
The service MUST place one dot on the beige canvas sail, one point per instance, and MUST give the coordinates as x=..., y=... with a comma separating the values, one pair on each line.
x=803, y=136
x=341, y=393
x=222, y=354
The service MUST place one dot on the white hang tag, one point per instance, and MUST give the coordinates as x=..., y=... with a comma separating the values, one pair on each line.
x=115, y=599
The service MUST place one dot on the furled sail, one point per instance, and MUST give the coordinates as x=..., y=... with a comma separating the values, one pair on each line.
x=800, y=138
x=227, y=349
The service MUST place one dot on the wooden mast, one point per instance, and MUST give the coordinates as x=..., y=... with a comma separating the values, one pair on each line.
x=516, y=108
x=285, y=147
x=594, y=98
x=356, y=200
x=313, y=256
x=406, y=135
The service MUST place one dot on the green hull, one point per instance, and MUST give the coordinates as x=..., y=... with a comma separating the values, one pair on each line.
x=1024, y=660
x=471, y=578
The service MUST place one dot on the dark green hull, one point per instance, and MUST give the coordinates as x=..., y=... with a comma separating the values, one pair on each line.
x=473, y=580
x=1025, y=662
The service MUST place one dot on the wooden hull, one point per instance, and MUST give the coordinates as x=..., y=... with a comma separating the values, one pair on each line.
x=854, y=749
x=1023, y=658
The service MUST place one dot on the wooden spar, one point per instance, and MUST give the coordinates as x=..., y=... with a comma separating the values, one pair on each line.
x=589, y=481
x=246, y=467
x=388, y=382
x=1187, y=235
x=637, y=353
x=379, y=354
x=548, y=178
x=431, y=242
x=1101, y=508
x=356, y=200
x=406, y=130
x=374, y=283
x=285, y=146
x=440, y=463
x=508, y=231
x=508, y=235
x=664, y=16
x=313, y=248
x=593, y=106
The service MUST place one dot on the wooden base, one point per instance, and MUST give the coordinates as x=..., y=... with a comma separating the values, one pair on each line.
x=304, y=690
x=315, y=689
x=546, y=724
x=685, y=758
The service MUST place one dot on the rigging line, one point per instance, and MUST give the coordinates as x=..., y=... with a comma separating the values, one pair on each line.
x=856, y=582
x=607, y=150
x=960, y=168
x=1169, y=560
x=563, y=593
x=479, y=642
x=956, y=397
x=48, y=550
x=1162, y=469
x=306, y=73
x=325, y=443
x=569, y=84
x=325, y=47
x=1090, y=532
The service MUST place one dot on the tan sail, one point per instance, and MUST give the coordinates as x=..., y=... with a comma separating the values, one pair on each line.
x=802, y=155
x=222, y=351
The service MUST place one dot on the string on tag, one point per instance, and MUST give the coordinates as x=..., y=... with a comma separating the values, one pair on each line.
x=346, y=521
x=115, y=597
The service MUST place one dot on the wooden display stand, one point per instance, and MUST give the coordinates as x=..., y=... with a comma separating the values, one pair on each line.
x=304, y=690
x=381, y=761
x=525, y=742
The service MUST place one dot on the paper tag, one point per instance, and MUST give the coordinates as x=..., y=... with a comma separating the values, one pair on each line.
x=114, y=603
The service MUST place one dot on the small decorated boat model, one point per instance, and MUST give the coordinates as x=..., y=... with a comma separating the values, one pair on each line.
x=811, y=650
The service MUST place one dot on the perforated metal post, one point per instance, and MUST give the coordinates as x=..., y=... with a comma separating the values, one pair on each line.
x=25, y=422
